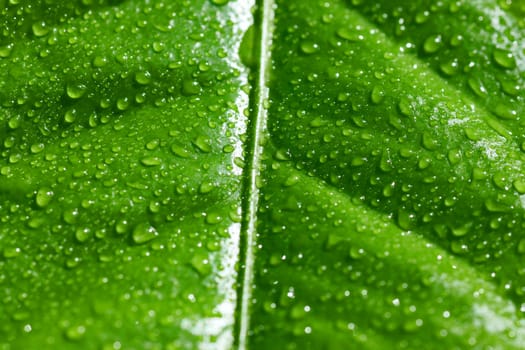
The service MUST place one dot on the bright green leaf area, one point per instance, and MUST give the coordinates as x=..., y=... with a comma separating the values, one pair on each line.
x=170, y=180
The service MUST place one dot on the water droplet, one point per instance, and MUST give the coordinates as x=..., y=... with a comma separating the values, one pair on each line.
x=190, y=87
x=494, y=206
x=11, y=252
x=43, y=197
x=143, y=233
x=70, y=116
x=505, y=112
x=123, y=103
x=151, y=161
x=500, y=180
x=519, y=185
x=201, y=264
x=99, y=61
x=219, y=2
x=428, y=142
x=377, y=95
x=152, y=145
x=180, y=151
x=158, y=46
x=71, y=215
x=461, y=230
x=404, y=107
x=202, y=143
x=422, y=17
x=206, y=187
x=143, y=78
x=37, y=148
x=432, y=44
x=405, y=220
x=5, y=51
x=454, y=156
x=82, y=234
x=213, y=218
x=347, y=34
x=309, y=47
x=504, y=59
x=449, y=68
x=521, y=246
x=75, y=332
x=291, y=180
x=456, y=40
x=510, y=87
x=458, y=247
x=477, y=86
x=75, y=91
x=121, y=226
x=356, y=253
x=40, y=28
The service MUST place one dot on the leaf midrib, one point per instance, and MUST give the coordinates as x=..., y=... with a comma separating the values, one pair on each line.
x=258, y=118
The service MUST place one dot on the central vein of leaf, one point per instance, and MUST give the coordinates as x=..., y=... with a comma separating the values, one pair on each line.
x=258, y=113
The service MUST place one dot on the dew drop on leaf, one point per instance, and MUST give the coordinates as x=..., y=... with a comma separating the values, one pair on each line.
x=377, y=94
x=180, y=151
x=75, y=333
x=504, y=59
x=213, y=218
x=206, y=187
x=40, y=28
x=5, y=51
x=347, y=34
x=143, y=233
x=202, y=143
x=43, y=197
x=123, y=103
x=505, y=112
x=143, y=78
x=449, y=68
x=201, y=264
x=477, y=86
x=519, y=185
x=11, y=252
x=70, y=116
x=75, y=91
x=82, y=234
x=122, y=226
x=309, y=47
x=99, y=61
x=432, y=44
x=190, y=87
x=151, y=161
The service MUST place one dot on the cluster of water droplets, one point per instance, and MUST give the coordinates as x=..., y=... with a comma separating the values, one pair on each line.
x=119, y=171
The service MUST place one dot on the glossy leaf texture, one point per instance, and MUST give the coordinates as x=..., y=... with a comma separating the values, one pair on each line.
x=376, y=195
x=391, y=209
x=121, y=171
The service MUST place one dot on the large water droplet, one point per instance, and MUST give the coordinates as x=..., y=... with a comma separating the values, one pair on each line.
x=43, y=197
x=432, y=44
x=504, y=59
x=143, y=233
x=75, y=91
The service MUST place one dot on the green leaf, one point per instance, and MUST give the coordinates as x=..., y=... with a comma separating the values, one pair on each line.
x=120, y=190
x=289, y=174
x=391, y=214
